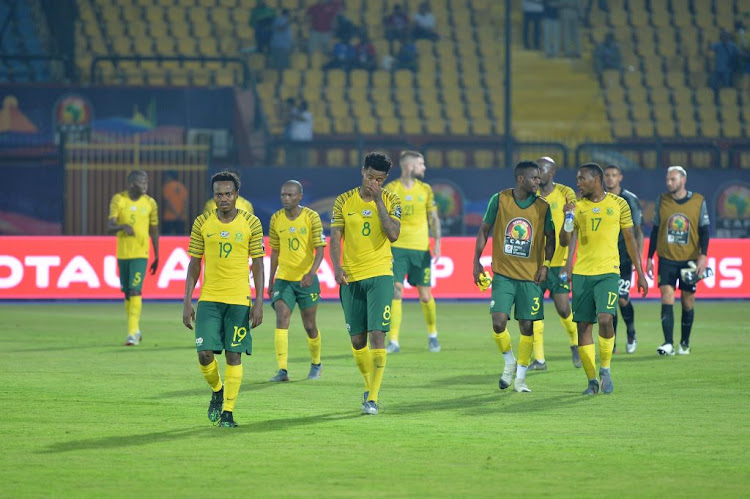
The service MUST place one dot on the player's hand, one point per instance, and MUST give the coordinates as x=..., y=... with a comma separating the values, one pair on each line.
x=269, y=289
x=256, y=314
x=541, y=274
x=642, y=285
x=701, y=264
x=436, y=252
x=188, y=315
x=650, y=268
x=307, y=280
x=341, y=277
x=374, y=190
x=478, y=269
x=127, y=229
x=154, y=266
x=570, y=206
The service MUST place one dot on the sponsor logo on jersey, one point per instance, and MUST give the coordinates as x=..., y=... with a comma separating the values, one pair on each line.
x=518, y=236
x=678, y=229
x=366, y=213
x=224, y=234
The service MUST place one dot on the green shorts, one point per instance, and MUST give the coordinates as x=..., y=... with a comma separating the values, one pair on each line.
x=554, y=284
x=132, y=273
x=593, y=295
x=415, y=265
x=221, y=326
x=367, y=304
x=291, y=293
x=526, y=295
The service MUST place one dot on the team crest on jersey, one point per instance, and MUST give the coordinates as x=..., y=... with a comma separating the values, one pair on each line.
x=596, y=210
x=238, y=236
x=610, y=211
x=678, y=229
x=302, y=231
x=292, y=230
x=518, y=236
x=224, y=234
x=408, y=197
x=366, y=213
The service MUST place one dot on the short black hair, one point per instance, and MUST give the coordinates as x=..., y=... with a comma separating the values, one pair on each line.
x=226, y=176
x=295, y=183
x=378, y=161
x=132, y=176
x=521, y=167
x=613, y=167
x=595, y=169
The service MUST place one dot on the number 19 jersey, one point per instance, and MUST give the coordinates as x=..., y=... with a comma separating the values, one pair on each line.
x=295, y=241
x=225, y=248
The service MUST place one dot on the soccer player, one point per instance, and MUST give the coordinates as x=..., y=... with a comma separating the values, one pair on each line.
x=680, y=236
x=598, y=218
x=557, y=282
x=297, y=242
x=224, y=238
x=134, y=216
x=242, y=203
x=523, y=243
x=612, y=180
x=367, y=218
x=411, y=252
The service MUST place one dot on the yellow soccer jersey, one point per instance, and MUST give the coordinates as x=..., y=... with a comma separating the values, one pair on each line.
x=140, y=214
x=242, y=204
x=367, y=250
x=557, y=199
x=598, y=226
x=225, y=248
x=416, y=204
x=295, y=240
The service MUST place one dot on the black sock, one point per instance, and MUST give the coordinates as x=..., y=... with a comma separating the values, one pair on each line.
x=628, y=315
x=667, y=323
x=687, y=325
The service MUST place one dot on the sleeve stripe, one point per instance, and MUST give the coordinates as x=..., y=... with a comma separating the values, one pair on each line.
x=255, y=247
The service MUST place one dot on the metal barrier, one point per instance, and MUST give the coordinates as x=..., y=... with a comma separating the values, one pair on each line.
x=637, y=155
x=474, y=153
x=246, y=75
x=333, y=153
x=63, y=61
x=94, y=172
x=739, y=156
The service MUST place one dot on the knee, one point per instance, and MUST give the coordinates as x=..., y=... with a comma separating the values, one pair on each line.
x=311, y=329
x=605, y=320
x=398, y=290
x=205, y=357
x=624, y=302
x=499, y=326
x=425, y=297
x=359, y=342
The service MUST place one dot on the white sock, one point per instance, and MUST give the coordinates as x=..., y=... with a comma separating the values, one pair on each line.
x=521, y=371
x=541, y=361
x=394, y=343
x=433, y=335
x=508, y=356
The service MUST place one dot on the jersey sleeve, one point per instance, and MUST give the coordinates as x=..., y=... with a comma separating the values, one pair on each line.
x=657, y=205
x=114, y=206
x=431, y=206
x=570, y=194
x=153, y=218
x=337, y=219
x=626, y=219
x=196, y=238
x=273, y=235
x=704, y=220
x=549, y=225
x=394, y=210
x=636, y=212
x=316, y=229
x=255, y=247
x=491, y=214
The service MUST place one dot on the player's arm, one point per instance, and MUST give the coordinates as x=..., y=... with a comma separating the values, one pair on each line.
x=153, y=232
x=272, y=270
x=632, y=246
x=193, y=273
x=567, y=235
x=653, y=240
x=549, y=249
x=256, y=313
x=319, y=242
x=391, y=226
x=704, y=235
x=484, y=234
x=337, y=233
x=112, y=226
x=307, y=279
x=437, y=232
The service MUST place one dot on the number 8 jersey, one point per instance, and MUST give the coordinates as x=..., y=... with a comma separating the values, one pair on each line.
x=225, y=248
x=598, y=226
x=295, y=241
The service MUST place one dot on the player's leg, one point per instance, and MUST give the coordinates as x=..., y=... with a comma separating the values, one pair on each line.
x=503, y=296
x=283, y=302
x=123, y=270
x=524, y=354
x=628, y=315
x=529, y=308
x=238, y=339
x=668, y=274
x=208, y=339
x=562, y=305
x=421, y=271
x=136, y=274
x=539, y=362
x=309, y=322
x=379, y=292
x=400, y=269
x=687, y=298
x=606, y=296
x=354, y=303
x=584, y=313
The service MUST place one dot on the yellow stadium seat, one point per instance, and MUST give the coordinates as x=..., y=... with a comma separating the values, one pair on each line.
x=456, y=158
x=291, y=78
x=403, y=78
x=484, y=158
x=459, y=126
x=481, y=126
x=644, y=129
x=343, y=125
x=710, y=128
x=359, y=78
x=622, y=128
x=389, y=126
x=321, y=125
x=665, y=127
x=408, y=110
x=435, y=126
x=412, y=126
x=434, y=158
x=381, y=78
x=731, y=127
x=336, y=78
x=367, y=126
x=335, y=157
x=687, y=128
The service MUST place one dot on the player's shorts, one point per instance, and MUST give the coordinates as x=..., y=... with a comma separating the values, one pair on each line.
x=554, y=284
x=367, y=304
x=526, y=295
x=626, y=278
x=669, y=274
x=415, y=265
x=594, y=295
x=132, y=273
x=221, y=326
x=292, y=293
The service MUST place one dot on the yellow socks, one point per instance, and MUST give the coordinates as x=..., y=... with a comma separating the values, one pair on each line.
x=430, y=316
x=211, y=373
x=134, y=314
x=395, y=320
x=232, y=382
x=364, y=363
x=314, y=345
x=281, y=345
x=571, y=329
x=524, y=349
x=376, y=375
x=588, y=359
x=606, y=346
x=127, y=308
x=502, y=341
x=538, y=342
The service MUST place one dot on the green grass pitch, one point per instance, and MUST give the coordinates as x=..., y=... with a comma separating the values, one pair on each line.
x=84, y=416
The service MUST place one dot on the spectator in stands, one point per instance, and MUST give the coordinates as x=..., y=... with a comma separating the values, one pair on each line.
x=396, y=24
x=571, y=13
x=261, y=19
x=286, y=111
x=603, y=6
x=343, y=56
x=726, y=61
x=607, y=54
x=532, y=17
x=300, y=135
x=174, y=203
x=282, y=41
x=322, y=16
x=365, y=53
x=551, y=28
x=742, y=39
x=345, y=28
x=407, y=55
x=424, y=23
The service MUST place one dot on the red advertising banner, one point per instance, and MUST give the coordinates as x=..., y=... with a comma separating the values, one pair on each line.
x=86, y=267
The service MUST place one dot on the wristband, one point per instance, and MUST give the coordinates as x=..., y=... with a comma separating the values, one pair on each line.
x=546, y=263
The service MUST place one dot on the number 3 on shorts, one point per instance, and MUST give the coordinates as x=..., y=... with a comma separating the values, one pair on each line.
x=535, y=307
